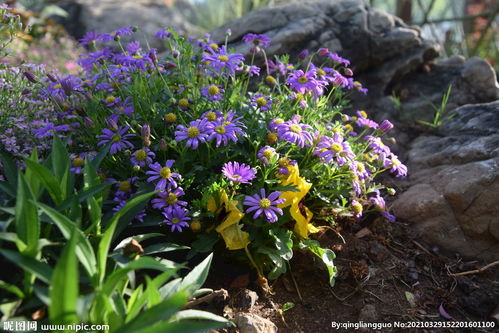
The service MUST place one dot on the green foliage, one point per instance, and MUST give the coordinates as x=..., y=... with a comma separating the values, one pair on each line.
x=438, y=117
x=115, y=289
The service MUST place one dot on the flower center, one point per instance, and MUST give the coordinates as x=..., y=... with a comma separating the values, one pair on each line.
x=175, y=220
x=395, y=161
x=137, y=57
x=220, y=129
x=165, y=173
x=268, y=153
x=261, y=101
x=357, y=208
x=211, y=116
x=361, y=168
x=183, y=103
x=271, y=138
x=283, y=162
x=192, y=132
x=223, y=58
x=110, y=99
x=363, y=114
x=270, y=80
x=170, y=118
x=225, y=123
x=336, y=147
x=171, y=199
x=321, y=72
x=236, y=176
x=140, y=155
x=213, y=46
x=116, y=138
x=213, y=90
x=77, y=162
x=295, y=128
x=125, y=186
x=265, y=203
x=302, y=79
x=299, y=97
x=57, y=86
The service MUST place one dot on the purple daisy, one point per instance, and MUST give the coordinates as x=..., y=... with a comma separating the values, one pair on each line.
x=379, y=204
x=117, y=138
x=238, y=173
x=77, y=162
x=395, y=165
x=265, y=154
x=124, y=189
x=357, y=208
x=177, y=218
x=219, y=60
x=334, y=149
x=168, y=201
x=302, y=82
x=261, y=204
x=164, y=174
x=294, y=132
x=142, y=157
x=363, y=121
x=213, y=92
x=337, y=59
x=377, y=145
x=224, y=130
x=258, y=40
x=262, y=102
x=195, y=133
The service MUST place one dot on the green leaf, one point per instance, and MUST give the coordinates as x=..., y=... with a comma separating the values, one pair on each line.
x=64, y=286
x=108, y=235
x=84, y=195
x=9, y=168
x=101, y=155
x=9, y=189
x=278, y=261
x=27, y=221
x=50, y=182
x=61, y=160
x=158, y=313
x=84, y=249
x=327, y=256
x=287, y=306
x=162, y=248
x=31, y=178
x=196, y=278
x=200, y=315
x=11, y=288
x=27, y=263
x=283, y=243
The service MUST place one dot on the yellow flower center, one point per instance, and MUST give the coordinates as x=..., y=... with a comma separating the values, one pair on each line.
x=321, y=72
x=302, y=79
x=116, y=138
x=171, y=199
x=115, y=85
x=213, y=90
x=195, y=226
x=268, y=153
x=261, y=101
x=283, y=162
x=278, y=121
x=223, y=58
x=193, y=132
x=57, y=86
x=140, y=155
x=299, y=97
x=170, y=118
x=265, y=203
x=363, y=114
x=183, y=103
x=395, y=161
x=361, y=168
x=125, y=186
x=175, y=220
x=220, y=129
x=213, y=46
x=348, y=128
x=357, y=208
x=336, y=147
x=77, y=162
x=137, y=57
x=295, y=128
x=271, y=138
x=66, y=107
x=102, y=177
x=225, y=123
x=270, y=80
x=165, y=173
x=211, y=116
x=110, y=99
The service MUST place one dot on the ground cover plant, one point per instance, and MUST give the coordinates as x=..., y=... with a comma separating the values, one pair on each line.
x=222, y=154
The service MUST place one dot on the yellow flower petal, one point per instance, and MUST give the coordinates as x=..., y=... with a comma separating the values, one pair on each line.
x=302, y=223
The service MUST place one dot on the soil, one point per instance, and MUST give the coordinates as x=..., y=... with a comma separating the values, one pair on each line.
x=386, y=275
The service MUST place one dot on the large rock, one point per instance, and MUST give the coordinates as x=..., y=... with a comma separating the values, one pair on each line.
x=108, y=15
x=452, y=194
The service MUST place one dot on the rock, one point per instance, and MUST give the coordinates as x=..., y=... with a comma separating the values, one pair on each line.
x=252, y=323
x=246, y=299
x=452, y=194
x=108, y=15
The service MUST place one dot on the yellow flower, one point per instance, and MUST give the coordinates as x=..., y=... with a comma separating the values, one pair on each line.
x=230, y=229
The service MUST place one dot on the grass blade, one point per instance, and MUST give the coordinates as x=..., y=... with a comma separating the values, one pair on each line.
x=27, y=221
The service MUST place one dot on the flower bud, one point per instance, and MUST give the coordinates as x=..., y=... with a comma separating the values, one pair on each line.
x=136, y=168
x=51, y=77
x=303, y=54
x=30, y=76
x=391, y=191
x=145, y=131
x=348, y=72
x=323, y=51
x=163, y=145
x=25, y=91
x=89, y=122
x=385, y=126
x=146, y=143
x=112, y=124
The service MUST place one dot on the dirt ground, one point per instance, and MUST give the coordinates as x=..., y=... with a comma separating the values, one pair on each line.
x=386, y=275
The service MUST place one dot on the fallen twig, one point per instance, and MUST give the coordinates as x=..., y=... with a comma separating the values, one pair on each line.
x=208, y=298
x=476, y=271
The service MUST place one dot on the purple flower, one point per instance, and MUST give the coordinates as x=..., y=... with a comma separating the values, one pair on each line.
x=377, y=145
x=363, y=121
x=334, y=149
x=117, y=138
x=294, y=132
x=213, y=92
x=77, y=162
x=163, y=34
x=385, y=126
x=302, y=82
x=258, y=40
x=395, y=165
x=49, y=129
x=139, y=217
x=262, y=102
x=164, y=174
x=89, y=37
x=219, y=60
x=238, y=173
x=142, y=157
x=357, y=208
x=177, y=219
x=337, y=59
x=169, y=200
x=274, y=123
x=223, y=131
x=263, y=204
x=195, y=133
x=265, y=154
x=252, y=70
x=380, y=205
x=124, y=189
